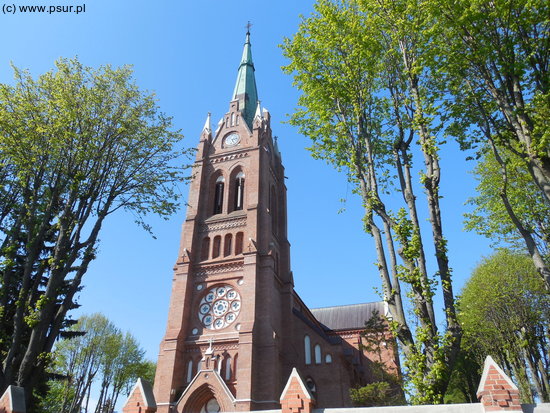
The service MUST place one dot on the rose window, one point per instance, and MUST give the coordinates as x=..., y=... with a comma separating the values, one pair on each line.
x=219, y=307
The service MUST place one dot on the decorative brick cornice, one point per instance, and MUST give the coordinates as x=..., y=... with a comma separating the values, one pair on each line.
x=230, y=157
x=226, y=223
x=216, y=347
x=204, y=270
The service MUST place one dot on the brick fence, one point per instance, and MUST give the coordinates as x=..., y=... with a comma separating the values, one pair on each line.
x=496, y=393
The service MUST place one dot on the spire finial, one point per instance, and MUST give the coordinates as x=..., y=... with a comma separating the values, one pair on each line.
x=245, y=88
x=258, y=113
x=248, y=26
x=207, y=126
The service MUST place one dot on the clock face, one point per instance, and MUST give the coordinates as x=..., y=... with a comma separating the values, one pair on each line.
x=219, y=307
x=232, y=139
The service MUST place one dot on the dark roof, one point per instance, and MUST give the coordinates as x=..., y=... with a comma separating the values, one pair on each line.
x=317, y=328
x=17, y=398
x=147, y=393
x=347, y=317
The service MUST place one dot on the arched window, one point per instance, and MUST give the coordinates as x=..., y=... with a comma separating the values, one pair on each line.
x=189, y=371
x=239, y=243
x=318, y=357
x=328, y=359
x=232, y=119
x=307, y=349
x=205, y=248
x=228, y=368
x=227, y=247
x=219, y=364
x=216, y=246
x=218, y=195
x=311, y=385
x=239, y=192
x=235, y=366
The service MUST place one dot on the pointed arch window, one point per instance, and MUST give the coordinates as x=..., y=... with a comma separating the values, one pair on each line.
x=239, y=192
x=227, y=247
x=205, y=248
x=307, y=349
x=218, y=195
x=228, y=368
x=189, y=370
x=318, y=357
x=239, y=243
x=216, y=246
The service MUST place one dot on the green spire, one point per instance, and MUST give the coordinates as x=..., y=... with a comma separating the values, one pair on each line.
x=245, y=88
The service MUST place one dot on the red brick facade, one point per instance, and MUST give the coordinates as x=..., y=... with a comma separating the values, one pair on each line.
x=236, y=327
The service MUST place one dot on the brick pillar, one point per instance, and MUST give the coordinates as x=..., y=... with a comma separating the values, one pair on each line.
x=296, y=397
x=496, y=391
x=140, y=399
x=13, y=400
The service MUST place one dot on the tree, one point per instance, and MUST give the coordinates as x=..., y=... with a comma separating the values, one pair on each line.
x=508, y=179
x=504, y=310
x=121, y=365
x=76, y=145
x=77, y=362
x=103, y=354
x=495, y=57
x=368, y=96
x=386, y=388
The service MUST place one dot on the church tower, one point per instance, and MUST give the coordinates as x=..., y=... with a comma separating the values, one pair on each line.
x=232, y=285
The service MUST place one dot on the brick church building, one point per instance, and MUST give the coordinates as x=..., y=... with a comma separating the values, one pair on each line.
x=236, y=326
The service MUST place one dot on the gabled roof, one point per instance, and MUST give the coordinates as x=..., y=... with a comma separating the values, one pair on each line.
x=146, y=391
x=489, y=364
x=348, y=317
x=296, y=376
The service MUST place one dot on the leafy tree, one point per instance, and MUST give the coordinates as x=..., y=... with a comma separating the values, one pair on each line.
x=504, y=310
x=375, y=394
x=103, y=354
x=368, y=96
x=465, y=378
x=507, y=179
x=121, y=365
x=495, y=57
x=76, y=145
x=386, y=387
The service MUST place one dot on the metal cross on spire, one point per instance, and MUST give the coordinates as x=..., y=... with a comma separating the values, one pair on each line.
x=248, y=26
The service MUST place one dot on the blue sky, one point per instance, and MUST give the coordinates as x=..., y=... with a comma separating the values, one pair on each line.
x=188, y=53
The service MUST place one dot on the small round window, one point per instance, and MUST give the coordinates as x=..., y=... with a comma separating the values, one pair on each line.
x=211, y=406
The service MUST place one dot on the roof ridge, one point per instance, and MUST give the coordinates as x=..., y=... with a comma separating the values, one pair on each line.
x=347, y=305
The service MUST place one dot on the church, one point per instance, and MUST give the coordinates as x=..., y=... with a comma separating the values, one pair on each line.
x=236, y=327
